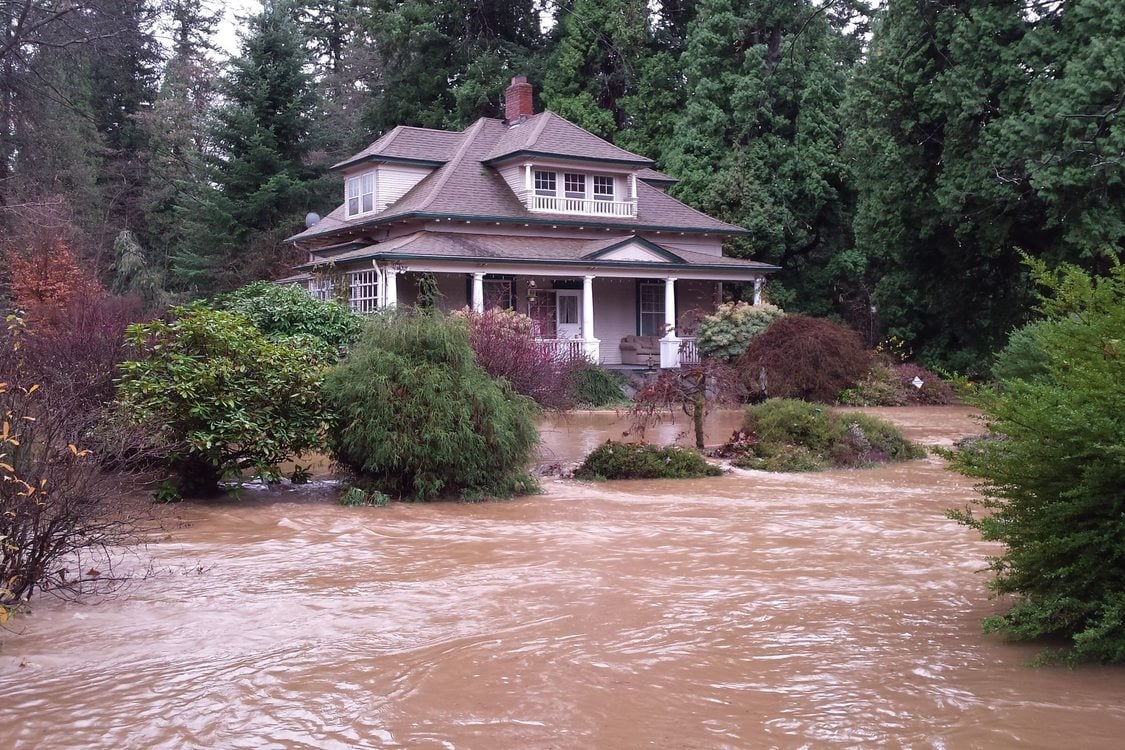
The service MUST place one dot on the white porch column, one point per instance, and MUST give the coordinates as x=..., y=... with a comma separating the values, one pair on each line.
x=590, y=345
x=390, y=280
x=758, y=283
x=670, y=342
x=478, y=292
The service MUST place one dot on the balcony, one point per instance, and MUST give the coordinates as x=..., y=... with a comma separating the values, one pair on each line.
x=583, y=206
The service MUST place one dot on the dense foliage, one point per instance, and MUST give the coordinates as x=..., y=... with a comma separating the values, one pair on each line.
x=1052, y=471
x=283, y=311
x=220, y=395
x=905, y=384
x=791, y=435
x=595, y=387
x=726, y=333
x=417, y=418
x=802, y=357
x=614, y=460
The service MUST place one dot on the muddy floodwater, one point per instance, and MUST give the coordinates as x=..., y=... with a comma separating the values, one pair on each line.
x=752, y=610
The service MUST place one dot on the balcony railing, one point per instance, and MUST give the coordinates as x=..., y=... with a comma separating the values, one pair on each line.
x=585, y=206
x=563, y=350
x=689, y=352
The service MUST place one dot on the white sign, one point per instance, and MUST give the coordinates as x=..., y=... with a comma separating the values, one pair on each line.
x=917, y=382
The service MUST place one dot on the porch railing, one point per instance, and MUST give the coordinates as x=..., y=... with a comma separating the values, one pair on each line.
x=563, y=350
x=554, y=204
x=689, y=352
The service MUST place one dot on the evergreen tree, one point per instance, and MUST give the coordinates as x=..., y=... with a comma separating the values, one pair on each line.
x=757, y=142
x=260, y=182
x=598, y=46
x=445, y=63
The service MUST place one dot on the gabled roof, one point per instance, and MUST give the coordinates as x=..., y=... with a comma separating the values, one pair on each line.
x=475, y=248
x=408, y=145
x=547, y=134
x=653, y=177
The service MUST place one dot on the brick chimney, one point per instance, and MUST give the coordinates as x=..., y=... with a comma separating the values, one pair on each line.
x=518, y=99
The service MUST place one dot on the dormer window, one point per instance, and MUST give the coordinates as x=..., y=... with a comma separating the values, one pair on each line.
x=575, y=185
x=361, y=194
x=603, y=187
x=545, y=183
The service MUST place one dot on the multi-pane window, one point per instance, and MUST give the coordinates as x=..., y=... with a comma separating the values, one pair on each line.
x=361, y=194
x=363, y=291
x=575, y=185
x=603, y=187
x=545, y=183
x=650, y=308
x=499, y=293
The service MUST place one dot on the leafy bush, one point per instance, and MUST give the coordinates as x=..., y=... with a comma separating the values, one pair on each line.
x=725, y=333
x=1024, y=357
x=893, y=385
x=505, y=348
x=357, y=497
x=790, y=435
x=220, y=396
x=596, y=386
x=802, y=357
x=284, y=311
x=416, y=417
x=613, y=460
x=1053, y=475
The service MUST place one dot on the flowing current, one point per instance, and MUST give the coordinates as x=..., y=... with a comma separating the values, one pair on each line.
x=753, y=610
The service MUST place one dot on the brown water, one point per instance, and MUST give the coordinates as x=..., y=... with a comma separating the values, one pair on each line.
x=752, y=610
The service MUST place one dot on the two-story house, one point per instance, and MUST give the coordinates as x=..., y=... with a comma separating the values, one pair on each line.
x=533, y=213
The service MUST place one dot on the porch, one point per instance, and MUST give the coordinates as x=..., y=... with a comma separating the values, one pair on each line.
x=589, y=316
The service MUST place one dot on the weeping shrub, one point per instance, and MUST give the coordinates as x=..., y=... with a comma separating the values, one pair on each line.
x=725, y=333
x=803, y=357
x=415, y=417
x=596, y=386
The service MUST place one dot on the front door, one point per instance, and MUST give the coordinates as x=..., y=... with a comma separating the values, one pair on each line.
x=568, y=305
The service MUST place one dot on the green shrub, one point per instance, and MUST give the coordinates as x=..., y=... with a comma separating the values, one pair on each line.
x=284, y=311
x=790, y=435
x=725, y=333
x=613, y=460
x=416, y=417
x=802, y=357
x=1053, y=477
x=596, y=387
x=893, y=385
x=220, y=396
x=357, y=497
x=1024, y=357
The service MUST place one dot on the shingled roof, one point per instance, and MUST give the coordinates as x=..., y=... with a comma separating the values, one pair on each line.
x=547, y=134
x=410, y=145
x=474, y=248
x=463, y=187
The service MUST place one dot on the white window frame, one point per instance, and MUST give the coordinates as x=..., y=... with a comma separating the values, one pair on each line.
x=363, y=291
x=574, y=185
x=601, y=196
x=543, y=177
x=650, y=308
x=360, y=189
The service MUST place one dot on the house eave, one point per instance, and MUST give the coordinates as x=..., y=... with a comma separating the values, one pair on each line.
x=524, y=153
x=379, y=159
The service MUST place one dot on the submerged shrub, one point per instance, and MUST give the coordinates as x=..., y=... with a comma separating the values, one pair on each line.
x=893, y=385
x=613, y=460
x=726, y=333
x=415, y=417
x=798, y=356
x=790, y=435
x=596, y=386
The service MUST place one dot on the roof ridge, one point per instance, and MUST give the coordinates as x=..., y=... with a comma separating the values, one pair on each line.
x=432, y=130
x=445, y=172
x=540, y=126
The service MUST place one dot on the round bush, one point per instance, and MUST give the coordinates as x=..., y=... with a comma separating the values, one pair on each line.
x=803, y=357
x=284, y=311
x=416, y=417
x=893, y=385
x=725, y=333
x=596, y=386
x=613, y=460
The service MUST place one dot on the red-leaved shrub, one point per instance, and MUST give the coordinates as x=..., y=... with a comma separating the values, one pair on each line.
x=802, y=357
x=933, y=392
x=504, y=347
